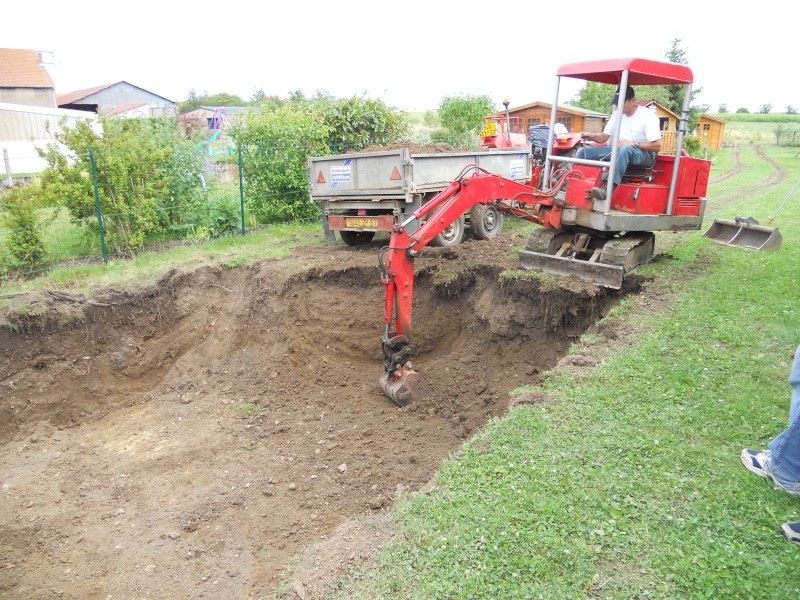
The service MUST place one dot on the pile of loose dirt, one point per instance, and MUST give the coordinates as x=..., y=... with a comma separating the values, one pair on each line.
x=192, y=438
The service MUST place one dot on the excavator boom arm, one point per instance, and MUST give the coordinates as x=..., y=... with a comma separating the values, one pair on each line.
x=399, y=381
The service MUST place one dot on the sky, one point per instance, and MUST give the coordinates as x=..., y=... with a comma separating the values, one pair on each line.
x=410, y=54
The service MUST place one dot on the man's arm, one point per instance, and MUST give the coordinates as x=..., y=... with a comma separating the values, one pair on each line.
x=650, y=146
x=600, y=138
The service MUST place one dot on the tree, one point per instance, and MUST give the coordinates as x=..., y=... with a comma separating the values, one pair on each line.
x=258, y=97
x=195, y=101
x=723, y=108
x=791, y=110
x=742, y=110
x=765, y=109
x=463, y=115
x=595, y=96
x=355, y=123
x=675, y=94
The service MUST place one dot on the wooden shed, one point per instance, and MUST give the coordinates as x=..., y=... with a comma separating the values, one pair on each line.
x=668, y=122
x=573, y=118
x=712, y=131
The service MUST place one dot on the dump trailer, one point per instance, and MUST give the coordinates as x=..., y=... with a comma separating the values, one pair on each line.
x=363, y=193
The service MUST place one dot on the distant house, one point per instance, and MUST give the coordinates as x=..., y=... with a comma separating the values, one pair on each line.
x=572, y=117
x=712, y=131
x=120, y=98
x=24, y=78
x=29, y=117
x=215, y=120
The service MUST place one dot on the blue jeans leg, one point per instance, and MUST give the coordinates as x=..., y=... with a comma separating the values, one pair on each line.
x=625, y=155
x=784, y=450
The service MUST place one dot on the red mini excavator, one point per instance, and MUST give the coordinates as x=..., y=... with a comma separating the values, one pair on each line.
x=596, y=240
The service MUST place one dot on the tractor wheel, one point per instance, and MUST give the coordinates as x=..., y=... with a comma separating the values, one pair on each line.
x=357, y=238
x=486, y=221
x=451, y=236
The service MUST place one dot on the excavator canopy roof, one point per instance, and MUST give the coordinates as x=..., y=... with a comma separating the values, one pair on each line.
x=641, y=71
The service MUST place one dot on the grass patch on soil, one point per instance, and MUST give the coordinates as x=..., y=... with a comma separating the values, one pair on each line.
x=146, y=268
x=629, y=485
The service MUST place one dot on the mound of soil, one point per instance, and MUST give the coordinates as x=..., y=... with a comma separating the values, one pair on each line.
x=194, y=438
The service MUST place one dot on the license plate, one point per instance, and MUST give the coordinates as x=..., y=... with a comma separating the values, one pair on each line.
x=489, y=128
x=360, y=222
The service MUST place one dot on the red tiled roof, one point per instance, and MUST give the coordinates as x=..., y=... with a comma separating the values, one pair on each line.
x=21, y=68
x=70, y=97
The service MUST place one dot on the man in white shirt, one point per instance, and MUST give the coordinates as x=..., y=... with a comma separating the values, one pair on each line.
x=639, y=139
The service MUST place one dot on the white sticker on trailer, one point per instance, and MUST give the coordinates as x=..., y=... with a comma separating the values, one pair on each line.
x=517, y=167
x=341, y=174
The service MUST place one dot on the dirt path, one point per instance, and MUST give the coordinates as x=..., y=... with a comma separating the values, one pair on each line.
x=192, y=439
x=736, y=167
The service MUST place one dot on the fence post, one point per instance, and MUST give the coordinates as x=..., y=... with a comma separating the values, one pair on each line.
x=8, y=168
x=97, y=209
x=241, y=187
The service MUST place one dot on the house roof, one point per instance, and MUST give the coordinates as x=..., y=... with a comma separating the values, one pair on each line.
x=22, y=69
x=74, y=97
x=712, y=118
x=71, y=97
x=564, y=108
x=649, y=103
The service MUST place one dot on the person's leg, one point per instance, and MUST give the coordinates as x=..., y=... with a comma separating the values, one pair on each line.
x=630, y=155
x=594, y=153
x=783, y=458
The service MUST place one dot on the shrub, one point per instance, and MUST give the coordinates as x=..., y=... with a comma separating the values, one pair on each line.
x=275, y=147
x=146, y=173
x=24, y=243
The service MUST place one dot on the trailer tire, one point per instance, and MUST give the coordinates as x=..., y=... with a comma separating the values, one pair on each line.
x=486, y=221
x=451, y=236
x=357, y=238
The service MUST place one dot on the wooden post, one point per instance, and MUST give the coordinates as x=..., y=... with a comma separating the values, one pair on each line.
x=8, y=167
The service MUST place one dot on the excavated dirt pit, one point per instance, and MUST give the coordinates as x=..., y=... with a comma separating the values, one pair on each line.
x=192, y=439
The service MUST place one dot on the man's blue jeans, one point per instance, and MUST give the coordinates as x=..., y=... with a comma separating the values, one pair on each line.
x=784, y=450
x=626, y=155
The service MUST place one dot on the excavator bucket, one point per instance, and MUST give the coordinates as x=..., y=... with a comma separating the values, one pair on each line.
x=744, y=233
x=402, y=385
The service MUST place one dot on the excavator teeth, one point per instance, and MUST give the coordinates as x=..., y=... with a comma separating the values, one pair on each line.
x=402, y=386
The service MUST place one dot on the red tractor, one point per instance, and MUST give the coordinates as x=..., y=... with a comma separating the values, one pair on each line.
x=599, y=241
